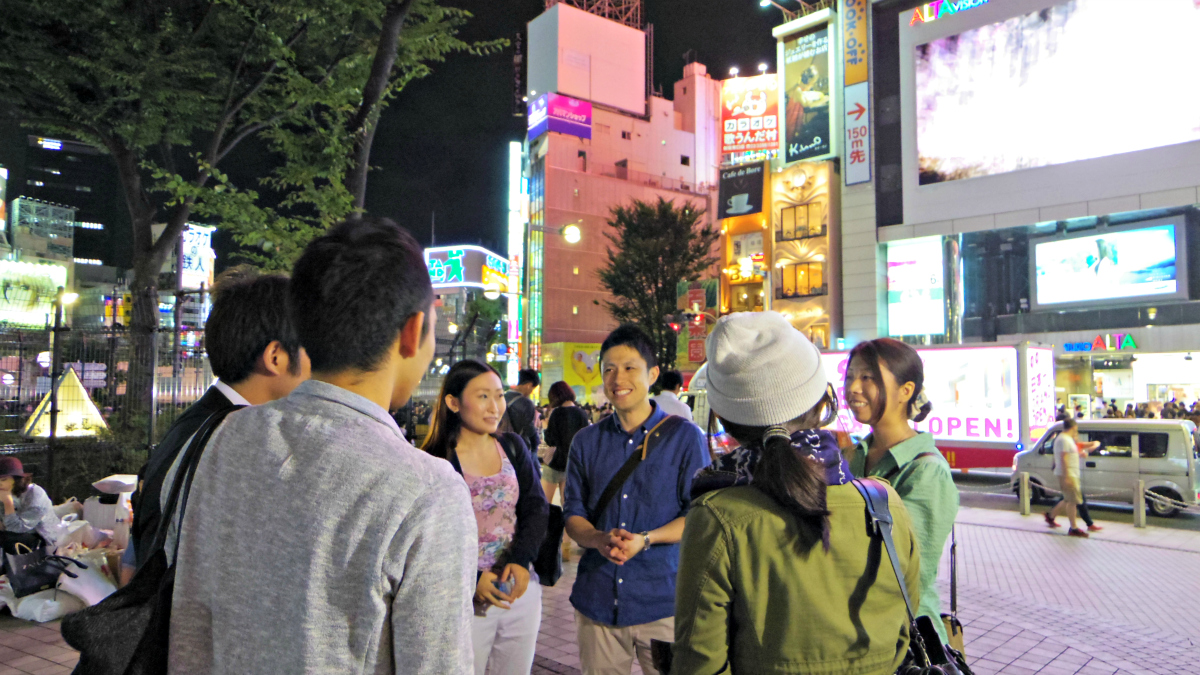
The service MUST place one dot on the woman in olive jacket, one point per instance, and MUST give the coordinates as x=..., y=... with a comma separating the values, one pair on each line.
x=778, y=573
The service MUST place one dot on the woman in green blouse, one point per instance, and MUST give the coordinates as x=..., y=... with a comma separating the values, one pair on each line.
x=885, y=389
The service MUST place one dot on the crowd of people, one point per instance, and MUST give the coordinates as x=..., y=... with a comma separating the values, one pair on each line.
x=316, y=538
x=1171, y=410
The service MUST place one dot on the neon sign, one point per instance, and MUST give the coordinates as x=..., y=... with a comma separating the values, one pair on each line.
x=473, y=266
x=1103, y=343
x=932, y=11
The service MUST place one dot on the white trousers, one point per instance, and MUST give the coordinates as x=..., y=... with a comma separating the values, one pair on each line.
x=505, y=639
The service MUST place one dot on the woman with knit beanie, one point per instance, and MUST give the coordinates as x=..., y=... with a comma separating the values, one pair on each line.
x=885, y=389
x=778, y=572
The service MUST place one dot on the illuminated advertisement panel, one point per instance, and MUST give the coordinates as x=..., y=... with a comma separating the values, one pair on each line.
x=28, y=291
x=454, y=266
x=806, y=80
x=1075, y=81
x=916, y=293
x=561, y=114
x=974, y=392
x=1117, y=264
x=1040, y=371
x=750, y=114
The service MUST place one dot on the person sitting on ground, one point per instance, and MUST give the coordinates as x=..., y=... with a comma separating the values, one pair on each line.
x=510, y=512
x=29, y=516
x=779, y=574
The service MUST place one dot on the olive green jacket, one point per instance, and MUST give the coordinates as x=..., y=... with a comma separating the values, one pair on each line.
x=928, y=491
x=749, y=600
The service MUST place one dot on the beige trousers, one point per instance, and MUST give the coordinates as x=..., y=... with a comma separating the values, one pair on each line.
x=610, y=650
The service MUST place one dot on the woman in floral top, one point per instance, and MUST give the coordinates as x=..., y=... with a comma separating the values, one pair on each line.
x=510, y=511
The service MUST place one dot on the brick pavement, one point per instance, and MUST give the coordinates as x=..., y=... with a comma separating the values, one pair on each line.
x=1031, y=600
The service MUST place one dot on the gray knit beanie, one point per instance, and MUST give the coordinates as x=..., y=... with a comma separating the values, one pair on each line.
x=761, y=370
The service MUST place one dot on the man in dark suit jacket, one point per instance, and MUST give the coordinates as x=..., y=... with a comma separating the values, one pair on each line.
x=254, y=351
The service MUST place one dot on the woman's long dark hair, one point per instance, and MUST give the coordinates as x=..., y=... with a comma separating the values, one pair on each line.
x=445, y=424
x=795, y=482
x=905, y=364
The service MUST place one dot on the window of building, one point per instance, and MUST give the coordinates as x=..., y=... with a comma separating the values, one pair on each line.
x=1153, y=446
x=627, y=135
x=575, y=309
x=576, y=271
x=746, y=297
x=799, y=222
x=818, y=334
x=685, y=91
x=803, y=279
x=685, y=160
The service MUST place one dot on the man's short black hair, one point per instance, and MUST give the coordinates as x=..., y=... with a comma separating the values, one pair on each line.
x=353, y=290
x=630, y=335
x=529, y=376
x=249, y=312
x=671, y=380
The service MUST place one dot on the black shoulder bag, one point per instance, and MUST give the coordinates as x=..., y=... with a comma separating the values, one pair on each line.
x=548, y=563
x=926, y=653
x=128, y=632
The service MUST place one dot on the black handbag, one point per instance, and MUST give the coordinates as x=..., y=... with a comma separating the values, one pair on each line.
x=36, y=570
x=128, y=632
x=926, y=653
x=548, y=563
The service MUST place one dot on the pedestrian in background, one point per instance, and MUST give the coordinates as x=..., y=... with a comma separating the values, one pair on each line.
x=668, y=399
x=510, y=514
x=885, y=389
x=624, y=592
x=777, y=573
x=566, y=419
x=316, y=539
x=521, y=413
x=1067, y=451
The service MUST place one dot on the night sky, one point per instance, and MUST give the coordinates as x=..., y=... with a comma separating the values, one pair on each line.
x=442, y=145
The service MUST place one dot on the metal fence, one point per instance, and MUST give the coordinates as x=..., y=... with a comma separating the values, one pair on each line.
x=97, y=385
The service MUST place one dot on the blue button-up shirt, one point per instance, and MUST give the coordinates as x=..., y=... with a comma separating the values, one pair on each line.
x=643, y=589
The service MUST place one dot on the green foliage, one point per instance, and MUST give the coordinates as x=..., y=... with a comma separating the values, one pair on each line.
x=486, y=315
x=171, y=87
x=654, y=248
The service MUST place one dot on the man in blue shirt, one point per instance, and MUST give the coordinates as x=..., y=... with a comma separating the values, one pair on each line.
x=624, y=593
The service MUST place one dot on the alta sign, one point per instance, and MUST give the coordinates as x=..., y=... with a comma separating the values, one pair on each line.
x=1103, y=343
x=932, y=11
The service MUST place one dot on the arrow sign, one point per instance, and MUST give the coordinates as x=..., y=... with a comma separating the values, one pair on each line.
x=857, y=112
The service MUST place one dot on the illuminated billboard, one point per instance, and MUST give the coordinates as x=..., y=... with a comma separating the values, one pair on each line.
x=473, y=266
x=28, y=292
x=750, y=114
x=561, y=114
x=806, y=80
x=974, y=393
x=198, y=256
x=1075, y=81
x=1142, y=261
x=916, y=292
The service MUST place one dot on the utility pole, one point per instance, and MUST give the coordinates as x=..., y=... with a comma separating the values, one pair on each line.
x=433, y=228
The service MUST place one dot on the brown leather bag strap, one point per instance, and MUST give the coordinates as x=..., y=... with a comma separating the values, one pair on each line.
x=626, y=470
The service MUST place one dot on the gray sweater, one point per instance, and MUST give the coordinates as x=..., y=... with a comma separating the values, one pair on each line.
x=317, y=540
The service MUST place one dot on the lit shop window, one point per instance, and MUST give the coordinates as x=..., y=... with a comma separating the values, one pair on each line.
x=803, y=279
x=803, y=221
x=746, y=297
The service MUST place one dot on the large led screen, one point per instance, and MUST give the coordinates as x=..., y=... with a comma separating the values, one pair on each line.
x=1078, y=80
x=916, y=294
x=1107, y=267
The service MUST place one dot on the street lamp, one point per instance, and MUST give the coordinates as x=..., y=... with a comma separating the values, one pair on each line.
x=734, y=70
x=572, y=233
x=452, y=327
x=762, y=68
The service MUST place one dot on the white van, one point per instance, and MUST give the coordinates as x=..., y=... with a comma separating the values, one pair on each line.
x=1163, y=453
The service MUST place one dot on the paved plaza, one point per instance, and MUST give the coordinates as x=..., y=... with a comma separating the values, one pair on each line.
x=1032, y=600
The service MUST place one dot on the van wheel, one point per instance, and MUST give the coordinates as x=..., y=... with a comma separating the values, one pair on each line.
x=1163, y=510
x=1036, y=494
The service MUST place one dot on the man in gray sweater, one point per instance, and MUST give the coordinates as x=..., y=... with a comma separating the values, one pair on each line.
x=316, y=539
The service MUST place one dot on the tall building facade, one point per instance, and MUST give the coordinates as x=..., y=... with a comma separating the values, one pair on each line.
x=597, y=140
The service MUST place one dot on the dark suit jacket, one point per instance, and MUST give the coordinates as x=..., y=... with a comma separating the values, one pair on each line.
x=147, y=500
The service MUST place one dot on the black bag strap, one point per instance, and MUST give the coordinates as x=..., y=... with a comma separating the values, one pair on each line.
x=896, y=469
x=182, y=484
x=666, y=426
x=953, y=573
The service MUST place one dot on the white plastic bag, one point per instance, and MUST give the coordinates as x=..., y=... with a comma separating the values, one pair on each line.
x=47, y=605
x=69, y=507
x=82, y=533
x=116, y=484
x=91, y=585
x=116, y=518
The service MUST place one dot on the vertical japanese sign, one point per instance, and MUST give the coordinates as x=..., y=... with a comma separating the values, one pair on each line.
x=806, y=94
x=855, y=52
x=750, y=114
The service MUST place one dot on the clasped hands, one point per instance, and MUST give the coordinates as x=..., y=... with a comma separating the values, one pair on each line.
x=618, y=545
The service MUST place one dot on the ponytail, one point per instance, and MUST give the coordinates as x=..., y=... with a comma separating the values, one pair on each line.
x=796, y=483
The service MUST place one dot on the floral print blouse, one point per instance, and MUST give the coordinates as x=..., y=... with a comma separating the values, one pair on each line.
x=495, y=501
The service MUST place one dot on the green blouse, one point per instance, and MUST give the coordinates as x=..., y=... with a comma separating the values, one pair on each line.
x=928, y=490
